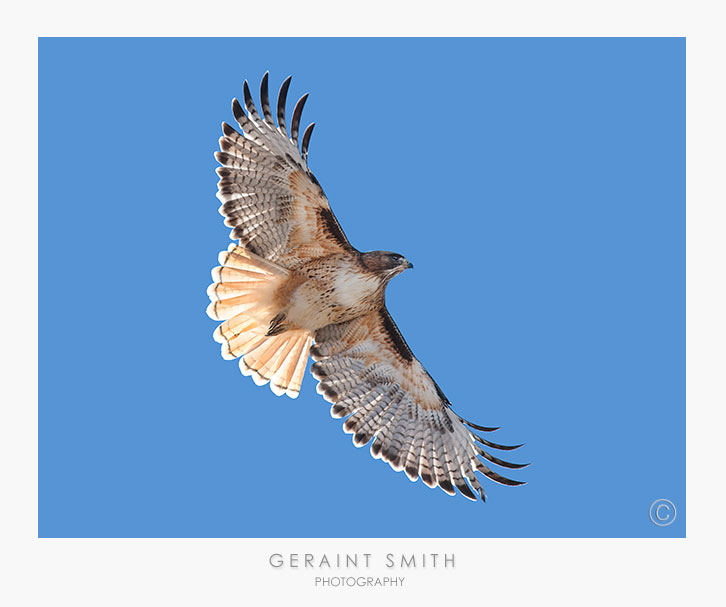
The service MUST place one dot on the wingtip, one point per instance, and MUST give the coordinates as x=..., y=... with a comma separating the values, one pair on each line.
x=492, y=445
x=509, y=482
x=482, y=428
x=228, y=130
x=237, y=109
x=306, y=140
x=466, y=491
x=447, y=487
x=281, y=102
x=296, y=117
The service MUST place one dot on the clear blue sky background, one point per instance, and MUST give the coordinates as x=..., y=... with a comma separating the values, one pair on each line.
x=537, y=184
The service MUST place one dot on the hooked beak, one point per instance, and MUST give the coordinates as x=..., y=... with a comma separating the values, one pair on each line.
x=409, y=265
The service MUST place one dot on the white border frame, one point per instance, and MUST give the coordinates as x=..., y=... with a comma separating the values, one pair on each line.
x=221, y=572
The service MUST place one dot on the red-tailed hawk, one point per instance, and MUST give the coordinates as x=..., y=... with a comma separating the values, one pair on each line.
x=294, y=285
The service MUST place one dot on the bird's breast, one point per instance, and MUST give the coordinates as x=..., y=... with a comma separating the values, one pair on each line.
x=352, y=288
x=333, y=293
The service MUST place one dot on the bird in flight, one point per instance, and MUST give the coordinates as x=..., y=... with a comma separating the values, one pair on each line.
x=295, y=286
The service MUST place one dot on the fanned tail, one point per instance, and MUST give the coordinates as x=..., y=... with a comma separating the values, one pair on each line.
x=280, y=360
x=242, y=295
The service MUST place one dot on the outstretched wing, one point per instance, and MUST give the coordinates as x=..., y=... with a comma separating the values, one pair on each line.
x=270, y=199
x=366, y=369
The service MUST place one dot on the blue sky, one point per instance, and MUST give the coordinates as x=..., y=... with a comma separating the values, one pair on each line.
x=538, y=185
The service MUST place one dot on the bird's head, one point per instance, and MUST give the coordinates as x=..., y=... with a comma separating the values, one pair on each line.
x=385, y=263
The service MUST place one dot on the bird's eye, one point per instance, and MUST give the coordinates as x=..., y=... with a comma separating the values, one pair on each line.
x=396, y=257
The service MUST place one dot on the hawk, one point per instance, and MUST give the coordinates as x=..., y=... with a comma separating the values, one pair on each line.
x=295, y=286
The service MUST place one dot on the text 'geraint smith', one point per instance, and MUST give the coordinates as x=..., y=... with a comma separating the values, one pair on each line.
x=360, y=560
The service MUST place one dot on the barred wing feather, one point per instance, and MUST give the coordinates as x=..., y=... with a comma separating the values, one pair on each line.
x=271, y=200
x=366, y=369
